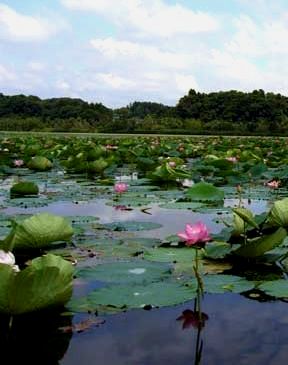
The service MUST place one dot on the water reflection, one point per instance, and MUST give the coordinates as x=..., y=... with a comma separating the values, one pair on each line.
x=35, y=338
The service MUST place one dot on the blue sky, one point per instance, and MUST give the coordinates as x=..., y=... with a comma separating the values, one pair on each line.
x=119, y=51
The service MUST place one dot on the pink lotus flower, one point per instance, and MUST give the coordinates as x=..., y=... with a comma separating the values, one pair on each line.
x=120, y=187
x=18, y=163
x=195, y=233
x=232, y=159
x=172, y=164
x=274, y=184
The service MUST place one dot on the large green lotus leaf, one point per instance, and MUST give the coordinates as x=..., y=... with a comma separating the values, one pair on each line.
x=135, y=272
x=40, y=163
x=246, y=215
x=259, y=246
x=45, y=283
x=275, y=288
x=156, y=294
x=203, y=191
x=173, y=255
x=226, y=283
x=278, y=215
x=182, y=205
x=132, y=226
x=6, y=283
x=39, y=231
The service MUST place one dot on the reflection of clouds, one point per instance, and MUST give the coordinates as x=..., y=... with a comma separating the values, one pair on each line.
x=240, y=331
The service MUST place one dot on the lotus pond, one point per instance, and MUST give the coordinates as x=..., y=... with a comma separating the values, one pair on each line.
x=102, y=276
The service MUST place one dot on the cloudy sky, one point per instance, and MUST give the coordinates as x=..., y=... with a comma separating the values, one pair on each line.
x=119, y=51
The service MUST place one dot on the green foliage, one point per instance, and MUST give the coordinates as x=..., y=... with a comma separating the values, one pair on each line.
x=279, y=213
x=24, y=188
x=203, y=191
x=46, y=282
x=37, y=232
x=258, y=246
x=40, y=163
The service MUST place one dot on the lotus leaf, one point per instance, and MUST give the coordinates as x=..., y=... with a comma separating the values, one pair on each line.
x=24, y=188
x=40, y=163
x=47, y=282
x=38, y=231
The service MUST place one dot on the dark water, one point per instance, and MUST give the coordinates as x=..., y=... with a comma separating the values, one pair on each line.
x=239, y=331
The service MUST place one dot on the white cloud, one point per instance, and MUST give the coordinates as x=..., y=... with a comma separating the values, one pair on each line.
x=115, y=49
x=36, y=66
x=63, y=85
x=254, y=39
x=186, y=82
x=19, y=27
x=149, y=17
x=235, y=67
x=6, y=75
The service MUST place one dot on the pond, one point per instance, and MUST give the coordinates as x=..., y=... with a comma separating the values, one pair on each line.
x=125, y=245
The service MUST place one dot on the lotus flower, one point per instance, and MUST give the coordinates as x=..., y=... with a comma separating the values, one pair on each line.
x=195, y=233
x=274, y=184
x=120, y=187
x=232, y=159
x=7, y=258
x=172, y=164
x=18, y=163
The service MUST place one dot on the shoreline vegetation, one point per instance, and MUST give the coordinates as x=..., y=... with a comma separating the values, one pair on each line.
x=218, y=113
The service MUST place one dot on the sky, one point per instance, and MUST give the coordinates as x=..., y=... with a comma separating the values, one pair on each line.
x=120, y=51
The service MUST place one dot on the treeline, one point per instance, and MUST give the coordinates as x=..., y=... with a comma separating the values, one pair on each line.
x=230, y=112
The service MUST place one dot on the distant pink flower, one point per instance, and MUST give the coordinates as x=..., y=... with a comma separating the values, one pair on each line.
x=232, y=159
x=111, y=147
x=120, y=187
x=195, y=233
x=172, y=164
x=274, y=184
x=18, y=163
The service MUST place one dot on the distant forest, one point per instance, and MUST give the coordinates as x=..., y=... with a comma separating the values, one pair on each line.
x=229, y=112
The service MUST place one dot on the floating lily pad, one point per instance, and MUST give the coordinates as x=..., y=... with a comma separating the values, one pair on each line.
x=276, y=288
x=174, y=255
x=156, y=295
x=139, y=271
x=182, y=205
x=226, y=283
x=132, y=226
